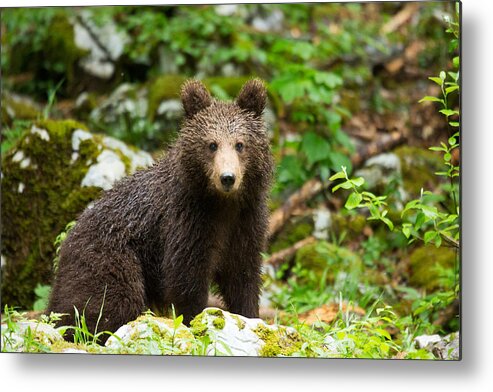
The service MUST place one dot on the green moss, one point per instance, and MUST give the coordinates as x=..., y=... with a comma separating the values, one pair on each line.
x=418, y=168
x=60, y=47
x=292, y=233
x=198, y=327
x=51, y=197
x=215, y=312
x=239, y=322
x=322, y=255
x=426, y=261
x=218, y=323
x=278, y=342
x=17, y=109
x=351, y=225
x=230, y=85
x=163, y=88
x=61, y=345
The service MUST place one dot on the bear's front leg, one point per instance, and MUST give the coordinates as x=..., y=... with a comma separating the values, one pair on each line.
x=239, y=274
x=189, y=304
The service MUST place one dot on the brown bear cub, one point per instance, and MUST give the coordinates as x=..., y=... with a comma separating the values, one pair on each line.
x=161, y=236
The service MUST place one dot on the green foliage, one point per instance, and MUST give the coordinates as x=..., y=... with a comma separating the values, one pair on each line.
x=376, y=205
x=10, y=135
x=42, y=292
x=425, y=219
x=58, y=243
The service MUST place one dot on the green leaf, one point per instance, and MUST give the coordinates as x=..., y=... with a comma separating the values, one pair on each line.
x=388, y=222
x=448, y=112
x=431, y=99
x=329, y=79
x=316, y=148
x=451, y=89
x=339, y=159
x=353, y=201
x=338, y=176
x=382, y=332
x=437, y=148
x=406, y=230
x=291, y=170
x=357, y=182
x=429, y=236
x=420, y=219
x=436, y=80
x=343, y=185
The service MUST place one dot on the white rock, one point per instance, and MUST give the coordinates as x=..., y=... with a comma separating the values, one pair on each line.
x=388, y=161
x=25, y=163
x=151, y=335
x=97, y=67
x=138, y=158
x=424, y=340
x=42, y=133
x=18, y=156
x=226, y=9
x=236, y=337
x=21, y=187
x=99, y=62
x=105, y=172
x=271, y=22
x=77, y=136
x=71, y=350
x=322, y=223
x=75, y=156
x=40, y=332
x=171, y=108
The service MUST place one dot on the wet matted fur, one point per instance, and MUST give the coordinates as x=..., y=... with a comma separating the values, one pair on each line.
x=161, y=236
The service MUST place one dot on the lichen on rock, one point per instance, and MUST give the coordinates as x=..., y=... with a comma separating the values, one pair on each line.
x=29, y=336
x=425, y=263
x=236, y=335
x=151, y=335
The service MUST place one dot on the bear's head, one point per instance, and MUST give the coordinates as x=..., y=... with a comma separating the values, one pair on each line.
x=224, y=145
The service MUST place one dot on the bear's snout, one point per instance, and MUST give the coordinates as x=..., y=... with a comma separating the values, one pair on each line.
x=227, y=180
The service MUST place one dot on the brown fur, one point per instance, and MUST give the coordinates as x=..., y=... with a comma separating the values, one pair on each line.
x=162, y=236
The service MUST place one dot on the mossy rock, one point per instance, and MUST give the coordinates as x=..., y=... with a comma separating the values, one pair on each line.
x=29, y=336
x=232, y=334
x=419, y=166
x=51, y=174
x=425, y=263
x=17, y=107
x=322, y=255
x=351, y=226
x=152, y=336
x=54, y=58
x=293, y=232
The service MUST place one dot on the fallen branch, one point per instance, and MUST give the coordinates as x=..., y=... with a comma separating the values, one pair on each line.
x=401, y=18
x=314, y=186
x=447, y=314
x=280, y=257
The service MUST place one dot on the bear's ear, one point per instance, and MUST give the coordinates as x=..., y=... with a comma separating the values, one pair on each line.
x=194, y=97
x=252, y=97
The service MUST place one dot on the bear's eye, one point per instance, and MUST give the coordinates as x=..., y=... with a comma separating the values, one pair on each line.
x=213, y=147
x=239, y=147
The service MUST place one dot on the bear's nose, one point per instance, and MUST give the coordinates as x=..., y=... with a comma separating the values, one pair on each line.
x=228, y=179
